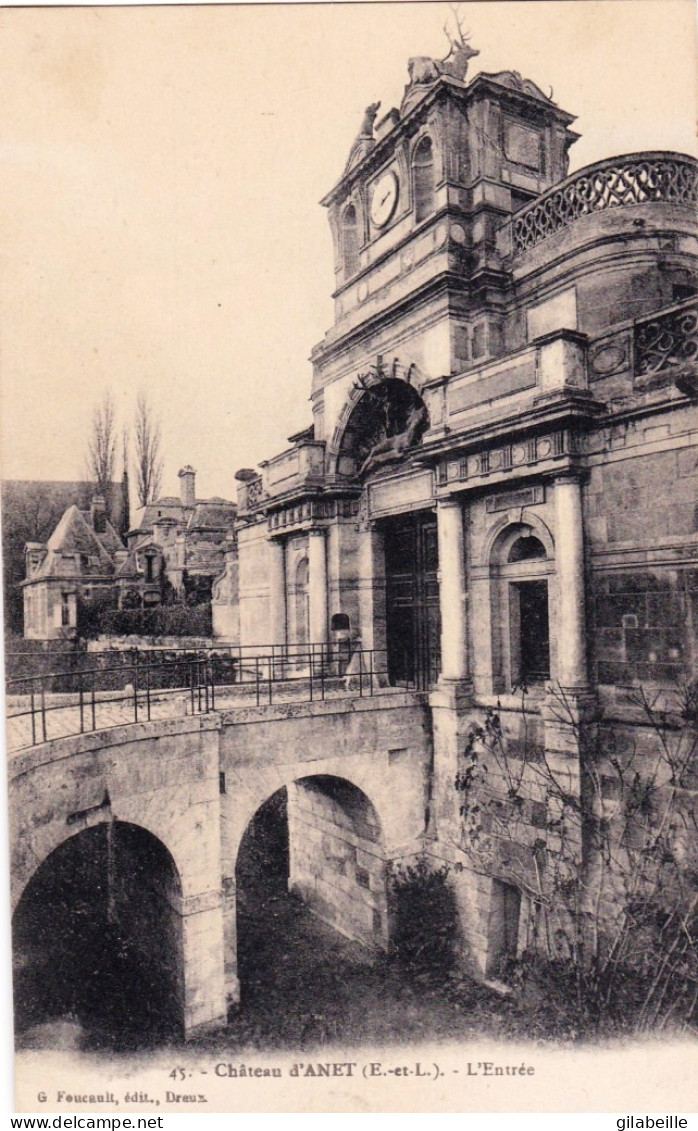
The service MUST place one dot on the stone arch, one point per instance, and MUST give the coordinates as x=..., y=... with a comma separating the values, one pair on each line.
x=507, y=530
x=98, y=937
x=333, y=853
x=376, y=410
x=34, y=845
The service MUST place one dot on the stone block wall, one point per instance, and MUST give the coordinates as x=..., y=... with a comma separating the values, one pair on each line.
x=337, y=860
x=646, y=498
x=645, y=625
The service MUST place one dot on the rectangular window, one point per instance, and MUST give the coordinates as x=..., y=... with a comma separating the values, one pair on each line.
x=65, y=610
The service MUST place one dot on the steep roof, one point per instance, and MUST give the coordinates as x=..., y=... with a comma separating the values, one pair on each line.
x=74, y=536
x=216, y=514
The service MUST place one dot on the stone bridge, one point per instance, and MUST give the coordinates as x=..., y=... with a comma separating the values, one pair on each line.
x=146, y=821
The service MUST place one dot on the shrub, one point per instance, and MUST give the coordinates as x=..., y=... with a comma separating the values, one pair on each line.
x=424, y=917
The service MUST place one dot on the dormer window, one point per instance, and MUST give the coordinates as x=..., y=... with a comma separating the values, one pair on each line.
x=350, y=240
x=423, y=176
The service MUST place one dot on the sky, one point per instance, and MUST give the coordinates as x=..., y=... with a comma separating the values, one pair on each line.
x=161, y=172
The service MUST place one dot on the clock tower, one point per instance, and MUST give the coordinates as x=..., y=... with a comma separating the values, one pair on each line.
x=416, y=219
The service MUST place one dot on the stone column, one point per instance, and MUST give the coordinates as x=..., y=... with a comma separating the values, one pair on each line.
x=317, y=586
x=452, y=591
x=371, y=579
x=569, y=554
x=451, y=699
x=230, y=941
x=203, y=961
x=277, y=591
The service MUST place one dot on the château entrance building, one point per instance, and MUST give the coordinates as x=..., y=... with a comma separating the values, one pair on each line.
x=497, y=494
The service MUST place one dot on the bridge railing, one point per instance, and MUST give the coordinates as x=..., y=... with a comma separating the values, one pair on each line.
x=166, y=683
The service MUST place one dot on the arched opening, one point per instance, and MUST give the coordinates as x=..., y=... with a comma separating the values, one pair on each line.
x=311, y=899
x=522, y=647
x=528, y=548
x=423, y=175
x=97, y=941
x=388, y=420
x=350, y=240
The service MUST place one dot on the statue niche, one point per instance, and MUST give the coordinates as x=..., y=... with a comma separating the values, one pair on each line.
x=387, y=423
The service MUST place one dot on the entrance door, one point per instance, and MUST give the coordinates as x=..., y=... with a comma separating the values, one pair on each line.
x=412, y=599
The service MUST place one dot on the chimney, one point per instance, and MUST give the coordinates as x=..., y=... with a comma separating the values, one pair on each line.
x=187, y=490
x=98, y=514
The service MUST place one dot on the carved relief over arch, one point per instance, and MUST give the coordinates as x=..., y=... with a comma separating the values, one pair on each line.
x=383, y=419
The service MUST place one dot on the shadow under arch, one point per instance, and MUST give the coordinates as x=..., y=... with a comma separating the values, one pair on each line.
x=311, y=887
x=97, y=942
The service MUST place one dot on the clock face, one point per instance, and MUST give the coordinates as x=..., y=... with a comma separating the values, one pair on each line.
x=384, y=199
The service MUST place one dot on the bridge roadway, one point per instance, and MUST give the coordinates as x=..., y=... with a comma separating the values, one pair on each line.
x=178, y=794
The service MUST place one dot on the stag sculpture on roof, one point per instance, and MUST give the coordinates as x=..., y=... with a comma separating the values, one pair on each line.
x=424, y=70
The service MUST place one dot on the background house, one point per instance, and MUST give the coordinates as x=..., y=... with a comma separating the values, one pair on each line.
x=172, y=555
x=31, y=510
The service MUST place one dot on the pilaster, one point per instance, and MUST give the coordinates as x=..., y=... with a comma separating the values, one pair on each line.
x=203, y=961
x=317, y=586
x=277, y=591
x=452, y=591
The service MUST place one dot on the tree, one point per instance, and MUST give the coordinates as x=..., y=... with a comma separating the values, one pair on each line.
x=147, y=454
x=101, y=448
x=125, y=497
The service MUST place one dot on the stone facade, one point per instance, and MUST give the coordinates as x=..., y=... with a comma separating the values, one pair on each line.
x=498, y=491
x=176, y=548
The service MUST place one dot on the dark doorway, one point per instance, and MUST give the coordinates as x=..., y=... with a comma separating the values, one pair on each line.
x=412, y=599
x=98, y=944
x=533, y=632
x=505, y=912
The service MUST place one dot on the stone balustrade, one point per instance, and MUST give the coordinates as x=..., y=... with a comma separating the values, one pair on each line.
x=298, y=467
x=636, y=178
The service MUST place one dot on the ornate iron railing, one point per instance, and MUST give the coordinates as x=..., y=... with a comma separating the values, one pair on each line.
x=633, y=179
x=667, y=342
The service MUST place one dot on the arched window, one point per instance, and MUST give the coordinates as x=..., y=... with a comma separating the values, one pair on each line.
x=423, y=172
x=521, y=645
x=527, y=549
x=350, y=240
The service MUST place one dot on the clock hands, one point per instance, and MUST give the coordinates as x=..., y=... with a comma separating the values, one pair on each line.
x=384, y=199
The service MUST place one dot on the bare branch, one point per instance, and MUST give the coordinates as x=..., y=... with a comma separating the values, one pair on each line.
x=147, y=440
x=101, y=448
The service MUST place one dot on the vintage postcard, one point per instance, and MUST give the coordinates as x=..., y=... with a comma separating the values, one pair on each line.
x=350, y=556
